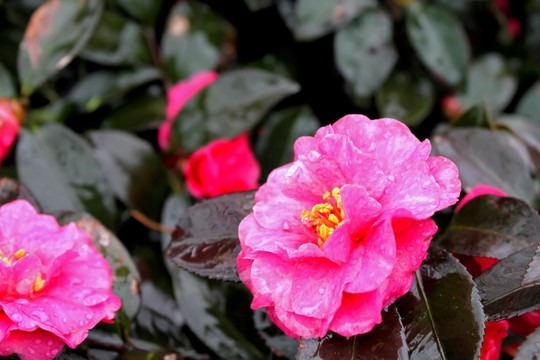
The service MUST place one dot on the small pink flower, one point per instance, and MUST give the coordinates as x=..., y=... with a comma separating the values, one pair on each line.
x=222, y=167
x=451, y=107
x=494, y=333
x=55, y=285
x=9, y=128
x=177, y=97
x=335, y=236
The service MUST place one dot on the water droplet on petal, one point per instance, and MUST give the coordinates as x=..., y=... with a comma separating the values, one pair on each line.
x=321, y=291
x=286, y=226
x=37, y=341
x=89, y=316
x=49, y=343
x=81, y=323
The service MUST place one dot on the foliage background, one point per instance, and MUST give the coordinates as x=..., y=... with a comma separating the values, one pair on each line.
x=93, y=76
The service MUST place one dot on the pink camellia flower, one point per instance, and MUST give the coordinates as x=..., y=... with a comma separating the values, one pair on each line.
x=9, y=128
x=177, y=97
x=55, y=285
x=222, y=167
x=494, y=333
x=335, y=236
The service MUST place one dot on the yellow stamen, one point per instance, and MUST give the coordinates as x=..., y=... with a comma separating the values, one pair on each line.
x=325, y=217
x=19, y=254
x=6, y=260
x=38, y=283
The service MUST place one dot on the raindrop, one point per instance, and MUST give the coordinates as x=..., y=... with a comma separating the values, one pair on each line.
x=32, y=351
x=286, y=226
x=37, y=341
x=81, y=323
x=64, y=319
x=49, y=343
x=321, y=291
x=16, y=317
x=89, y=316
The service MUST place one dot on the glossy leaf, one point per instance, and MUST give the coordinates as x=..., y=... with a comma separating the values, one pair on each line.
x=59, y=168
x=489, y=83
x=476, y=116
x=311, y=19
x=206, y=239
x=56, y=33
x=511, y=287
x=494, y=227
x=7, y=88
x=443, y=302
x=528, y=131
x=193, y=40
x=487, y=157
x=133, y=169
x=145, y=11
x=275, y=141
x=386, y=341
x=117, y=41
x=406, y=97
x=439, y=41
x=126, y=280
x=232, y=104
x=104, y=86
x=364, y=52
x=530, y=348
x=11, y=190
x=529, y=105
x=282, y=345
x=146, y=112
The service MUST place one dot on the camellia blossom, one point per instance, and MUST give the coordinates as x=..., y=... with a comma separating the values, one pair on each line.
x=222, y=167
x=335, y=236
x=177, y=97
x=9, y=128
x=55, y=284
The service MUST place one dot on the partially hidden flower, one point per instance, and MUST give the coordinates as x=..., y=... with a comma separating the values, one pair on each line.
x=9, y=128
x=494, y=333
x=177, y=97
x=222, y=167
x=335, y=236
x=55, y=285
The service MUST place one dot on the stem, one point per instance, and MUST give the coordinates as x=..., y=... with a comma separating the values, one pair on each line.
x=151, y=224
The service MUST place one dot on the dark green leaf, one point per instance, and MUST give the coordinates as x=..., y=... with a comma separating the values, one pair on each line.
x=7, y=88
x=488, y=83
x=133, y=169
x=282, y=345
x=310, y=19
x=530, y=348
x=495, y=227
x=55, y=112
x=59, y=168
x=11, y=190
x=364, y=52
x=193, y=40
x=529, y=105
x=274, y=146
x=442, y=313
x=385, y=342
x=56, y=33
x=117, y=41
x=255, y=5
x=406, y=97
x=439, y=41
x=126, y=276
x=103, y=86
x=511, y=287
x=206, y=239
x=142, y=113
x=145, y=11
x=488, y=157
x=232, y=104
x=476, y=116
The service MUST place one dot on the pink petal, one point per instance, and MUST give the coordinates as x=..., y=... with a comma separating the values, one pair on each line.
x=358, y=313
x=35, y=345
x=478, y=191
x=446, y=174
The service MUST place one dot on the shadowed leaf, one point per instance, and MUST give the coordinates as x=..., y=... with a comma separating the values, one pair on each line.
x=282, y=345
x=530, y=348
x=11, y=190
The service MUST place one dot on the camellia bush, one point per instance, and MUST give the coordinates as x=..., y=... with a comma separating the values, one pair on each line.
x=269, y=179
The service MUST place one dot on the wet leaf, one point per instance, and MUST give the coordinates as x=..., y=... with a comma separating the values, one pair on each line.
x=117, y=41
x=386, y=341
x=494, y=227
x=530, y=348
x=489, y=83
x=476, y=116
x=282, y=345
x=232, y=104
x=102, y=87
x=487, y=157
x=275, y=141
x=193, y=40
x=443, y=301
x=511, y=287
x=439, y=41
x=206, y=239
x=406, y=97
x=364, y=52
x=311, y=19
x=7, y=88
x=11, y=190
x=529, y=105
x=133, y=169
x=56, y=33
x=58, y=167
x=145, y=11
x=528, y=131
x=126, y=276
x=146, y=112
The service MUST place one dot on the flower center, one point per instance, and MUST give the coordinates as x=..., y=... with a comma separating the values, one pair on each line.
x=325, y=217
x=19, y=254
